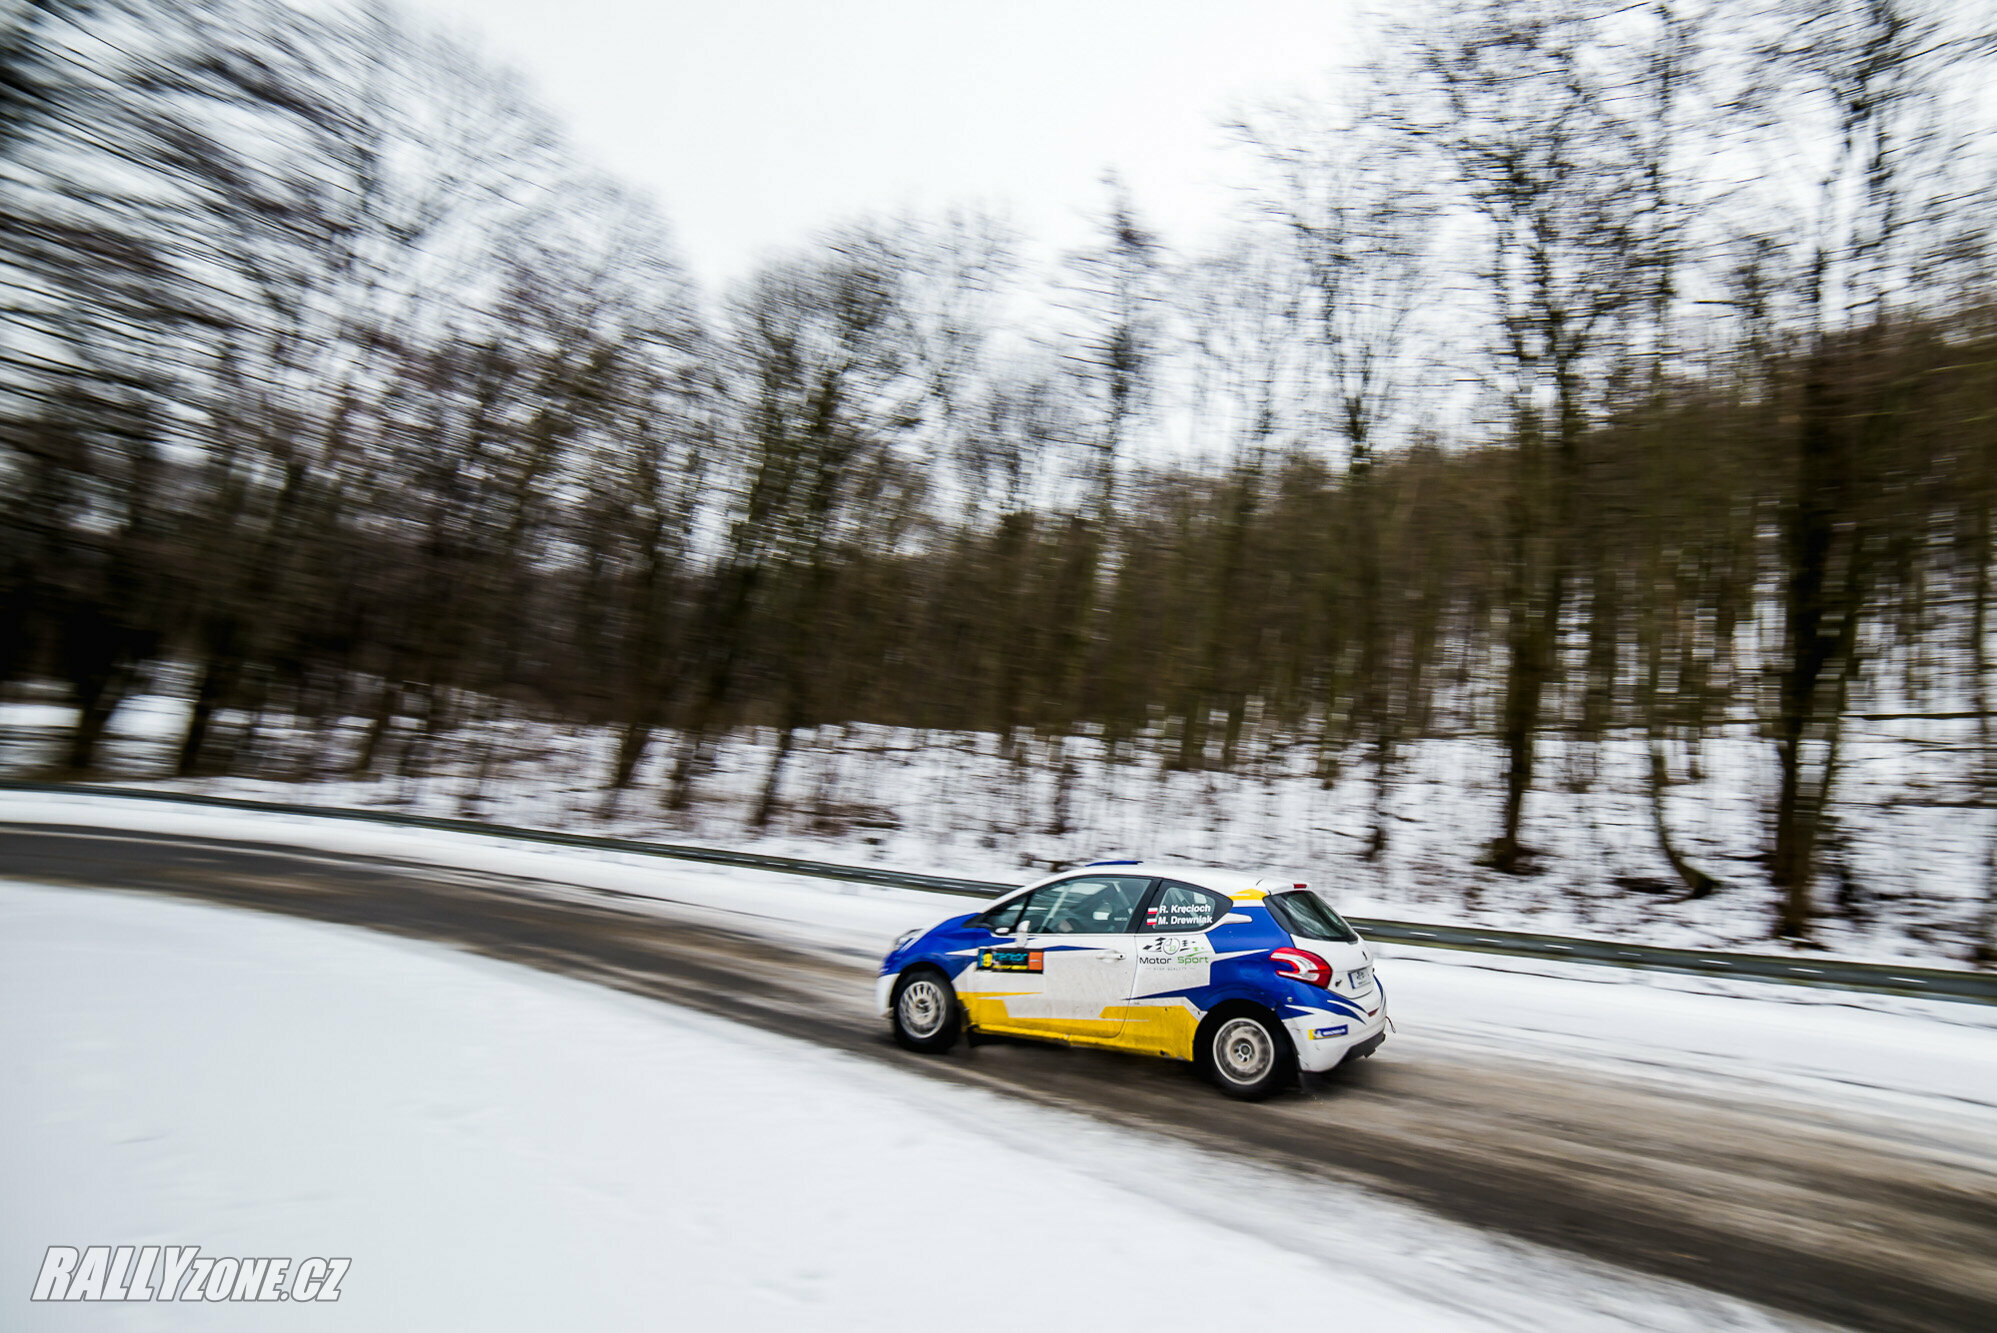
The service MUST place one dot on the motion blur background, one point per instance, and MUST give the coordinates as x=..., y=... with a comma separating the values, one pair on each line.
x=1567, y=476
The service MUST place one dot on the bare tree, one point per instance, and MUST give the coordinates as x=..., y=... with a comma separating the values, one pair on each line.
x=1112, y=295
x=1248, y=346
x=1852, y=88
x=1359, y=218
x=1523, y=106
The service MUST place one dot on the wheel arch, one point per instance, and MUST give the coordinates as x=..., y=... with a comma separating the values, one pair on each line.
x=1229, y=1008
x=915, y=968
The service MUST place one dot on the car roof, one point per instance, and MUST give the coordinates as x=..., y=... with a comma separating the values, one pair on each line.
x=1239, y=885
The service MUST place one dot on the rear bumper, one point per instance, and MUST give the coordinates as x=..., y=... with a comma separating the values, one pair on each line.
x=1324, y=1039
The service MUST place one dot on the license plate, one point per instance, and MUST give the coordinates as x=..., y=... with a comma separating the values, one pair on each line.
x=1361, y=979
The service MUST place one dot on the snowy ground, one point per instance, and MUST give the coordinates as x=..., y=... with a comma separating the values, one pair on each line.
x=1905, y=873
x=495, y=1148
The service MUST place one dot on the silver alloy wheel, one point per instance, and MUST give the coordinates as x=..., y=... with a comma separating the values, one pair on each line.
x=922, y=1007
x=1243, y=1050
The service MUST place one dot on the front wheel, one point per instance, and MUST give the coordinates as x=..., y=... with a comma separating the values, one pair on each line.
x=925, y=1012
x=1246, y=1057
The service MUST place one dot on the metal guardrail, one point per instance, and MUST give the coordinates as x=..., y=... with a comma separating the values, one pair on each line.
x=789, y=865
x=1876, y=978
x=1836, y=974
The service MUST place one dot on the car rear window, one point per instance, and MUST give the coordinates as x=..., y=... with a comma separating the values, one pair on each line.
x=1304, y=913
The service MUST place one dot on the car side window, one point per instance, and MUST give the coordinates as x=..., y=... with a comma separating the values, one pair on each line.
x=1001, y=918
x=1181, y=909
x=1090, y=905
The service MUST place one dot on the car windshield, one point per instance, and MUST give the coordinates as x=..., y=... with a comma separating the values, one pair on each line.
x=1304, y=913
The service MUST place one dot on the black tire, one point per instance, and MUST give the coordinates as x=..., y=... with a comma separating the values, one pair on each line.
x=924, y=1011
x=1245, y=1054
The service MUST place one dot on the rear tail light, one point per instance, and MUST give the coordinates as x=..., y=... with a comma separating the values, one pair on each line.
x=1301, y=965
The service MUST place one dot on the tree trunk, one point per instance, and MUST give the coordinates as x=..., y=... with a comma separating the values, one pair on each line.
x=1375, y=685
x=1534, y=629
x=1604, y=643
x=377, y=728
x=1064, y=786
x=415, y=748
x=1533, y=642
x=488, y=724
x=1698, y=884
x=1015, y=541
x=632, y=740
x=1985, y=945
x=1239, y=517
x=1383, y=768
x=97, y=698
x=218, y=676
x=1811, y=635
x=766, y=806
x=99, y=659
x=723, y=636
x=1521, y=722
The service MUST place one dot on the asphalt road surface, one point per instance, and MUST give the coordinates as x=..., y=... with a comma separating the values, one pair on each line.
x=1853, y=1215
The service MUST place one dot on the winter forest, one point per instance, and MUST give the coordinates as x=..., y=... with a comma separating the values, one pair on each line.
x=1565, y=496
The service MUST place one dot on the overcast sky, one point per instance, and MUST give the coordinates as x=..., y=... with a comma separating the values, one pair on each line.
x=757, y=122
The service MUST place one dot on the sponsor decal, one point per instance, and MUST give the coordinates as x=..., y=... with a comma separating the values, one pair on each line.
x=1339, y=1030
x=182, y=1273
x=1166, y=950
x=1010, y=960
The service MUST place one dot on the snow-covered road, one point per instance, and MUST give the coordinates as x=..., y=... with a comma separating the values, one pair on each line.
x=1825, y=1042
x=1825, y=1153
x=497, y=1148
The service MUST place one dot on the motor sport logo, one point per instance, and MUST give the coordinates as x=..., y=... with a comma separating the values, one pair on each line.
x=1174, y=949
x=182, y=1273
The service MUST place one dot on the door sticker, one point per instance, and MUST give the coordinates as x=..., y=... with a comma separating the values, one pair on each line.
x=1196, y=915
x=1174, y=950
x=1009, y=960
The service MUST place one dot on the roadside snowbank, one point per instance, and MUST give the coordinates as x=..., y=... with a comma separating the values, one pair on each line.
x=1905, y=855
x=855, y=919
x=495, y=1148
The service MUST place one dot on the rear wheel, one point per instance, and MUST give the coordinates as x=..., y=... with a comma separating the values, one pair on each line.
x=925, y=1012
x=1245, y=1056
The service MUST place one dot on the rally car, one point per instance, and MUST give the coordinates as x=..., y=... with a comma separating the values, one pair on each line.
x=1251, y=978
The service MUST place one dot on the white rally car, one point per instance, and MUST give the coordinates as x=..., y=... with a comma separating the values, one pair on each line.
x=1250, y=977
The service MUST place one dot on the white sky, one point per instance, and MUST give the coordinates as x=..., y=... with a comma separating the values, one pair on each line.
x=757, y=122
